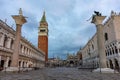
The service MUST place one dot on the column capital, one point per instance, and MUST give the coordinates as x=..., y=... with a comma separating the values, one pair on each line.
x=19, y=19
x=9, y=38
x=97, y=19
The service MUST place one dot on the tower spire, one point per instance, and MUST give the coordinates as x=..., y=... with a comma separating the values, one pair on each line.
x=43, y=19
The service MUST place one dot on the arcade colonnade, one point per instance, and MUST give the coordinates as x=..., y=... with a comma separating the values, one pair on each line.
x=111, y=31
x=91, y=58
x=29, y=55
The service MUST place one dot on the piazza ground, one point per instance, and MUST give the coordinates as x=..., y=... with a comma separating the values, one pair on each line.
x=59, y=74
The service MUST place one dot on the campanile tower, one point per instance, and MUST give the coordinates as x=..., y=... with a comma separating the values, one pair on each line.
x=43, y=36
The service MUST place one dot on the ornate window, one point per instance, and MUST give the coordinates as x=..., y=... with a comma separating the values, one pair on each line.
x=116, y=50
x=12, y=42
x=5, y=41
x=106, y=53
x=0, y=36
x=112, y=50
x=106, y=36
x=92, y=46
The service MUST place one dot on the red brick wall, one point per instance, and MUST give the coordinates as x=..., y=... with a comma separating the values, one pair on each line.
x=43, y=45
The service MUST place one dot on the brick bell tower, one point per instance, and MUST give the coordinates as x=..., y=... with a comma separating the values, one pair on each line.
x=43, y=36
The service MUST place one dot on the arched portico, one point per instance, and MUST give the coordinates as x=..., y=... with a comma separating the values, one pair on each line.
x=111, y=64
x=116, y=64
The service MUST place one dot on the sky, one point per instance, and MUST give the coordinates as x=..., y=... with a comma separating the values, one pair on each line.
x=67, y=21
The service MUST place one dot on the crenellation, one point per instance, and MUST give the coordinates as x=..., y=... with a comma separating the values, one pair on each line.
x=115, y=13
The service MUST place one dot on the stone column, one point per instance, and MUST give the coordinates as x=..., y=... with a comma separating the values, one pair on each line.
x=108, y=64
x=9, y=42
x=97, y=20
x=19, y=20
x=28, y=52
x=27, y=63
x=21, y=64
x=22, y=49
x=15, y=56
x=25, y=51
x=0, y=60
x=6, y=62
x=2, y=39
x=119, y=61
x=113, y=62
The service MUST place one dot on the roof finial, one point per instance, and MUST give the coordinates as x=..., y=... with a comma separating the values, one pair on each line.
x=20, y=11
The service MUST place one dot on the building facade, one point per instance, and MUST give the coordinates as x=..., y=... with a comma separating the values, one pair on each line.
x=111, y=28
x=29, y=55
x=72, y=60
x=43, y=36
x=79, y=56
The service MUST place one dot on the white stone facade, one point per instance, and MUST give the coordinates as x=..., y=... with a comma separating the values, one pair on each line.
x=29, y=55
x=90, y=57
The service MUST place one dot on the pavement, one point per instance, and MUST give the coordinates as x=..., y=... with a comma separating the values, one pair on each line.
x=59, y=74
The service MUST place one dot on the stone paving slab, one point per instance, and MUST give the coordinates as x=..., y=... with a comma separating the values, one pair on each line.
x=59, y=74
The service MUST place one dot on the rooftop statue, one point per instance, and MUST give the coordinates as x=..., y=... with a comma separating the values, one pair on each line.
x=20, y=11
x=97, y=13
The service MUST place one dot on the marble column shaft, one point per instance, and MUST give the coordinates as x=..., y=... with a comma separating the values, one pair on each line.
x=9, y=42
x=101, y=46
x=16, y=46
x=97, y=20
x=2, y=39
x=0, y=60
x=6, y=62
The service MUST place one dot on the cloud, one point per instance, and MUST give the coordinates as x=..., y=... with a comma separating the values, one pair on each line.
x=68, y=28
